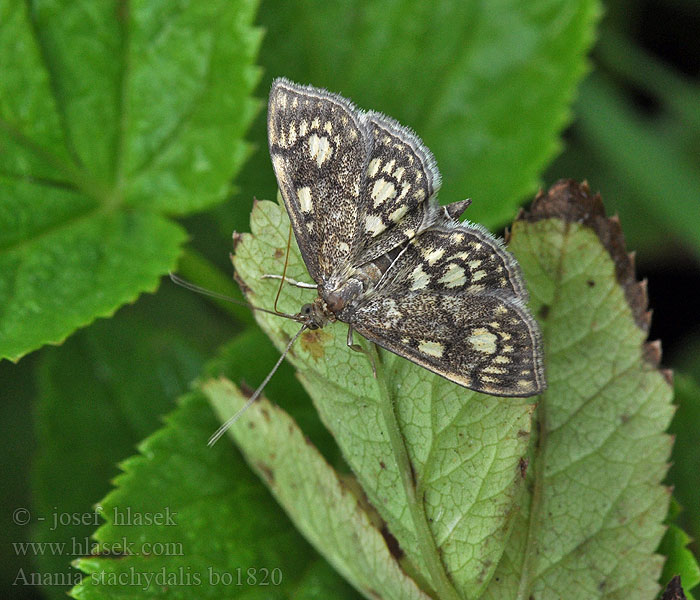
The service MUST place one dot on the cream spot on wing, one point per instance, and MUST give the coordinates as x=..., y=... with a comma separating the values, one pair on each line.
x=373, y=166
x=316, y=123
x=502, y=360
x=382, y=191
x=374, y=225
x=282, y=99
x=524, y=384
x=292, y=134
x=474, y=264
x=393, y=314
x=388, y=167
x=304, y=196
x=419, y=195
x=344, y=248
x=295, y=102
x=303, y=128
x=457, y=238
x=320, y=149
x=399, y=173
x=404, y=190
x=409, y=233
x=476, y=245
x=478, y=275
x=328, y=127
x=420, y=278
x=482, y=340
x=476, y=289
x=453, y=277
x=494, y=370
x=398, y=214
x=431, y=348
x=433, y=255
x=501, y=310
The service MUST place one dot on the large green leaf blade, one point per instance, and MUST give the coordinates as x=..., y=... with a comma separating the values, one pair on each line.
x=111, y=114
x=594, y=519
x=114, y=380
x=464, y=449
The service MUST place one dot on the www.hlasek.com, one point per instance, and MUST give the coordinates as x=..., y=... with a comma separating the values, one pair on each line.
x=179, y=577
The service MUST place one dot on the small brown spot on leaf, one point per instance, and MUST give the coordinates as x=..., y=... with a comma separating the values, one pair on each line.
x=522, y=466
x=279, y=253
x=265, y=471
x=244, y=288
x=590, y=283
x=543, y=313
x=382, y=465
x=314, y=342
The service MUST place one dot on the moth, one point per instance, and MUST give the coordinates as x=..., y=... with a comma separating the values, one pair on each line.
x=387, y=259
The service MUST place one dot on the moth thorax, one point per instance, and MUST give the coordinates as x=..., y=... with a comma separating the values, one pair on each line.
x=337, y=299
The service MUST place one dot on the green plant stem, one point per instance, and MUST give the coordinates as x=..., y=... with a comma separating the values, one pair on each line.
x=194, y=267
x=426, y=541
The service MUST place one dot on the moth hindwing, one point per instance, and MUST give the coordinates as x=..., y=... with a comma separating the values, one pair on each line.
x=388, y=260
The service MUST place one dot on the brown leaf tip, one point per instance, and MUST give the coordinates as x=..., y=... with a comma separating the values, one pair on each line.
x=674, y=590
x=573, y=202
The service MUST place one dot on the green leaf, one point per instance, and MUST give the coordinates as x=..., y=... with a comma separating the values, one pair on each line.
x=296, y=473
x=680, y=560
x=99, y=394
x=226, y=537
x=685, y=466
x=444, y=466
x=112, y=116
x=487, y=86
x=593, y=520
x=464, y=448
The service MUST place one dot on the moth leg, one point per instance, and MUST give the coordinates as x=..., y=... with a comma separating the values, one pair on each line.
x=290, y=281
x=358, y=348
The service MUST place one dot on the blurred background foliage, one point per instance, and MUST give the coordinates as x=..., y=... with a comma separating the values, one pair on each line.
x=634, y=135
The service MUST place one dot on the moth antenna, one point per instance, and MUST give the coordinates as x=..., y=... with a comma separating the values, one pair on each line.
x=188, y=285
x=230, y=421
